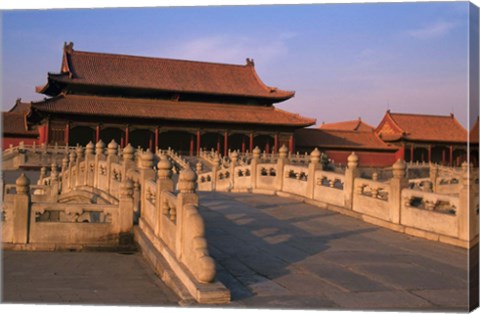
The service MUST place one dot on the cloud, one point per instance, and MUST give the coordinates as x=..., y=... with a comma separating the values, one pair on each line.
x=230, y=49
x=435, y=30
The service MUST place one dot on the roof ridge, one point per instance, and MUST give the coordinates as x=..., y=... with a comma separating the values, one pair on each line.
x=126, y=56
x=421, y=115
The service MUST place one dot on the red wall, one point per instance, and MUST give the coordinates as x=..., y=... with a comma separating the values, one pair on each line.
x=377, y=159
x=16, y=140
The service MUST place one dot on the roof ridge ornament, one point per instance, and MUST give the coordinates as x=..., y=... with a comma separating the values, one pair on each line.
x=250, y=62
x=68, y=47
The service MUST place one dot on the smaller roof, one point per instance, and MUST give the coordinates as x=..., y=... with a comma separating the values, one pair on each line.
x=20, y=107
x=417, y=127
x=169, y=110
x=352, y=125
x=15, y=123
x=341, y=139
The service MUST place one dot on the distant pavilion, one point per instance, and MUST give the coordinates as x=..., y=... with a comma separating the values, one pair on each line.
x=157, y=102
x=425, y=138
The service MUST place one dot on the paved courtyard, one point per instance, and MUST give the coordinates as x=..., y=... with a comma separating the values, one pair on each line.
x=275, y=252
x=106, y=278
x=271, y=252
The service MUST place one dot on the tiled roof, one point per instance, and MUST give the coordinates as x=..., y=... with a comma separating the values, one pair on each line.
x=113, y=70
x=20, y=107
x=170, y=110
x=14, y=123
x=424, y=128
x=340, y=139
x=352, y=125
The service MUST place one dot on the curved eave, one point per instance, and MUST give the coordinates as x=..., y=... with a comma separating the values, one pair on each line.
x=274, y=97
x=38, y=108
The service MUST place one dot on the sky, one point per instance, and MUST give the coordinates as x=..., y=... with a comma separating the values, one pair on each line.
x=344, y=61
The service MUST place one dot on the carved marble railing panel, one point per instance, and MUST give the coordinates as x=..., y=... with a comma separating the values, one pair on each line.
x=430, y=201
x=329, y=187
x=242, y=177
x=266, y=174
x=430, y=211
x=6, y=220
x=204, y=181
x=168, y=216
x=295, y=179
x=78, y=223
x=149, y=208
x=372, y=198
x=116, y=177
x=448, y=184
x=102, y=183
x=419, y=184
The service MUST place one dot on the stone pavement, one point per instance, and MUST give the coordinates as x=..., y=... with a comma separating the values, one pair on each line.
x=271, y=252
x=106, y=278
x=276, y=252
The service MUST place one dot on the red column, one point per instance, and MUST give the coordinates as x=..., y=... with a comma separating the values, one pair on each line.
x=191, y=144
x=275, y=143
x=67, y=133
x=97, y=134
x=267, y=148
x=443, y=156
x=198, y=142
x=451, y=155
x=126, y=135
x=47, y=131
x=218, y=144
x=150, y=143
x=243, y=145
x=290, y=144
x=156, y=139
x=251, y=142
x=429, y=153
x=225, y=144
x=411, y=153
x=121, y=142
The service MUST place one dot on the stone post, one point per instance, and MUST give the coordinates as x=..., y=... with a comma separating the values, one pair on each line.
x=466, y=213
x=21, y=210
x=99, y=156
x=80, y=175
x=64, y=172
x=146, y=172
x=434, y=176
x=350, y=174
x=397, y=183
x=125, y=211
x=186, y=195
x=215, y=167
x=112, y=156
x=21, y=157
x=89, y=159
x=71, y=170
x=253, y=165
x=313, y=166
x=233, y=163
x=164, y=183
x=128, y=159
x=54, y=184
x=43, y=174
x=281, y=162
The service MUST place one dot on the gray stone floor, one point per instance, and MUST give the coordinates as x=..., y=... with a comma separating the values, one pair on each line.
x=94, y=278
x=271, y=252
x=275, y=252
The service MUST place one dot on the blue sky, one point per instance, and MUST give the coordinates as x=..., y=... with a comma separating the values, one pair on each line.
x=343, y=60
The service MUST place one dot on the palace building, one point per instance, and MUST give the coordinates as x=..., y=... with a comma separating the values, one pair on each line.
x=157, y=102
x=425, y=138
x=339, y=139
